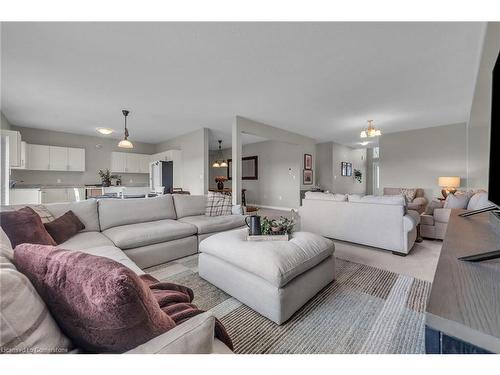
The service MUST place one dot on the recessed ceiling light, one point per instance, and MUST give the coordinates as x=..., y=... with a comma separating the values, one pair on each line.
x=105, y=131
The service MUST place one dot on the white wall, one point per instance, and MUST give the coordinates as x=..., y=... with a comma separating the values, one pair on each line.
x=478, y=127
x=330, y=155
x=95, y=158
x=416, y=158
x=279, y=174
x=194, y=148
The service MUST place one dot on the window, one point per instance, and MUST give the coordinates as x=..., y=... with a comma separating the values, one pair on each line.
x=376, y=152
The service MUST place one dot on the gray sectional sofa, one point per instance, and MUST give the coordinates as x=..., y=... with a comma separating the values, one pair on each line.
x=149, y=231
x=140, y=233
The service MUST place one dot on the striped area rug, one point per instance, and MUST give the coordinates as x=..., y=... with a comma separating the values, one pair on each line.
x=365, y=310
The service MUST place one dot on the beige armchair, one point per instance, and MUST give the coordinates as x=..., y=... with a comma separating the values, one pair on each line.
x=419, y=202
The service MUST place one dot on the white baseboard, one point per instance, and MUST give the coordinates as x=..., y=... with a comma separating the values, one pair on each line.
x=272, y=207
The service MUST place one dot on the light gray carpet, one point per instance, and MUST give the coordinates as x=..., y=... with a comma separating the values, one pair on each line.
x=365, y=310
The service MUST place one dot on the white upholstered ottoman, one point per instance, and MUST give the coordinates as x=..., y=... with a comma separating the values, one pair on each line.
x=275, y=278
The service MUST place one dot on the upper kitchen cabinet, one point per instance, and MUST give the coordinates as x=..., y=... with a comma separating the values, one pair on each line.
x=58, y=158
x=55, y=158
x=38, y=157
x=126, y=162
x=76, y=159
x=14, y=147
x=24, y=157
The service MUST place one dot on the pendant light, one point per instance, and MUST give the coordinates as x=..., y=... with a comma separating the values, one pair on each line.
x=371, y=131
x=125, y=143
x=220, y=162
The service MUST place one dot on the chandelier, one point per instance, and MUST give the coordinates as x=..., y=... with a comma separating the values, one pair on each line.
x=220, y=162
x=371, y=131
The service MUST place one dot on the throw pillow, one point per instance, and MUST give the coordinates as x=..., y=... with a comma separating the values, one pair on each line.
x=64, y=227
x=24, y=226
x=102, y=306
x=429, y=210
x=456, y=201
x=479, y=200
x=27, y=326
x=409, y=194
x=218, y=204
x=42, y=211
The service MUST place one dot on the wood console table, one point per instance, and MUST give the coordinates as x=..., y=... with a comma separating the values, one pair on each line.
x=463, y=313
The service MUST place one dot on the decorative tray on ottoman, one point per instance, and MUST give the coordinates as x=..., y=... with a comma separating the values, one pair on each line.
x=268, y=237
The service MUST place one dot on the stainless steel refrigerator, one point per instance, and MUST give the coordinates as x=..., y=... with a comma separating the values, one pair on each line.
x=161, y=176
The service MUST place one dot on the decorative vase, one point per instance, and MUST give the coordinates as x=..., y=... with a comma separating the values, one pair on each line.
x=106, y=183
x=220, y=185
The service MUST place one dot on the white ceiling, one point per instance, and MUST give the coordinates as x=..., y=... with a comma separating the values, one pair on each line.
x=323, y=80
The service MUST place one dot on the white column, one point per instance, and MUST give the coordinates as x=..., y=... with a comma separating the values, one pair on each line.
x=236, y=163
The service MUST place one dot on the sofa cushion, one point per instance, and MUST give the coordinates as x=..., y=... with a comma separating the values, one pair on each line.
x=397, y=200
x=427, y=219
x=64, y=227
x=25, y=321
x=117, y=212
x=458, y=200
x=86, y=240
x=189, y=205
x=143, y=234
x=429, y=210
x=85, y=210
x=212, y=224
x=112, y=252
x=24, y=226
x=442, y=215
x=277, y=262
x=326, y=196
x=102, y=306
x=479, y=200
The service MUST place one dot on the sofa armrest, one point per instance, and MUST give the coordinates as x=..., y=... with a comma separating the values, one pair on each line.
x=422, y=201
x=442, y=215
x=195, y=336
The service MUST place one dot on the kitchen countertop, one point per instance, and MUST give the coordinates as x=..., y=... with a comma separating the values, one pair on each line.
x=61, y=186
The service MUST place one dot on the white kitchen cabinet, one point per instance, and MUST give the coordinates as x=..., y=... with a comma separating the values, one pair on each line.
x=75, y=194
x=14, y=147
x=125, y=162
x=144, y=166
x=25, y=196
x=133, y=163
x=55, y=158
x=76, y=159
x=54, y=195
x=118, y=162
x=58, y=195
x=24, y=156
x=58, y=158
x=38, y=157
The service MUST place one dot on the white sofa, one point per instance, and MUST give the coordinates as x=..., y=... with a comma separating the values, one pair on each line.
x=140, y=233
x=382, y=222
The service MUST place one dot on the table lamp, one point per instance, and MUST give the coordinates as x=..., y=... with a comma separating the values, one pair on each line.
x=449, y=185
